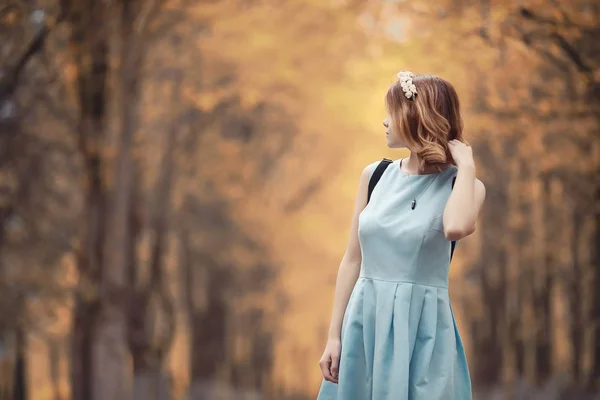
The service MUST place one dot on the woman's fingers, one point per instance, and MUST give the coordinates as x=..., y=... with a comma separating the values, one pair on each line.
x=335, y=363
x=325, y=368
x=330, y=361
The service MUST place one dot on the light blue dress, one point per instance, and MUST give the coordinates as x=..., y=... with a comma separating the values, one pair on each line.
x=399, y=336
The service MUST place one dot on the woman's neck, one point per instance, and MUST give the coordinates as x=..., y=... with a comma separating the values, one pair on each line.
x=412, y=163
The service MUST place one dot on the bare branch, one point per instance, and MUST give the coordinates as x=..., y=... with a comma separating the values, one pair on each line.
x=9, y=81
x=532, y=16
x=551, y=34
x=571, y=53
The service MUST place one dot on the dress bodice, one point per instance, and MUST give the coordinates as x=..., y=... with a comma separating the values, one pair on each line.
x=402, y=244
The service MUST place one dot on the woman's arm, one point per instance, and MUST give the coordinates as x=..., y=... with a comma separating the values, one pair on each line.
x=467, y=197
x=346, y=279
x=350, y=264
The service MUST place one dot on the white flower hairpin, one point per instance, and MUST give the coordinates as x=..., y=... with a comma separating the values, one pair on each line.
x=408, y=87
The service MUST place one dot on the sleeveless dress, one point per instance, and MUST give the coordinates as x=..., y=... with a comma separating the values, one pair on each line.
x=399, y=336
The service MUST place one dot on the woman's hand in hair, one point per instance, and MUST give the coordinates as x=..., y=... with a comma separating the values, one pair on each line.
x=461, y=153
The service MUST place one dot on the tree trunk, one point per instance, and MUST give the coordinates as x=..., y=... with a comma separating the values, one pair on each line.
x=202, y=390
x=5, y=367
x=517, y=270
x=54, y=351
x=151, y=384
x=208, y=340
x=575, y=298
x=595, y=262
x=517, y=334
x=20, y=388
x=84, y=322
x=207, y=322
x=87, y=301
x=544, y=282
x=89, y=46
x=148, y=347
x=489, y=333
x=111, y=350
x=491, y=364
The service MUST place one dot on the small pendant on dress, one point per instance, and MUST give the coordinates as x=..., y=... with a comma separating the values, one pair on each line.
x=413, y=204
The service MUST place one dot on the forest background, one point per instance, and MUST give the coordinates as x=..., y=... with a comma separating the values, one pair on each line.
x=177, y=179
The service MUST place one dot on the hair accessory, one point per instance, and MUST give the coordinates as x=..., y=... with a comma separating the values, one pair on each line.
x=408, y=87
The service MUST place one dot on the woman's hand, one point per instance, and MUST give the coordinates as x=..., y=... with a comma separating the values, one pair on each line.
x=330, y=360
x=461, y=153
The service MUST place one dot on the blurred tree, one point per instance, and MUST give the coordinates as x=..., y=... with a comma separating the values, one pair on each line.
x=23, y=156
x=135, y=18
x=224, y=304
x=565, y=37
x=89, y=46
x=151, y=306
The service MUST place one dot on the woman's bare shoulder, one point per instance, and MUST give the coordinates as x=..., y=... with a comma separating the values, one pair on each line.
x=369, y=168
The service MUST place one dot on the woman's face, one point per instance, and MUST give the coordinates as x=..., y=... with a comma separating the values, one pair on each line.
x=393, y=139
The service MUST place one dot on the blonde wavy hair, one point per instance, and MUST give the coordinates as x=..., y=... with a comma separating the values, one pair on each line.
x=428, y=120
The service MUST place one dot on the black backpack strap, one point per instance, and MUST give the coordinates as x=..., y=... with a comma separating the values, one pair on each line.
x=376, y=176
x=454, y=241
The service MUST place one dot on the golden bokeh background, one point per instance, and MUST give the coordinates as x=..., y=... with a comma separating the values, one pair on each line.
x=177, y=180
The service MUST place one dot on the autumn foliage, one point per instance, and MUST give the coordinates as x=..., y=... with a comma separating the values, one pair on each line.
x=177, y=179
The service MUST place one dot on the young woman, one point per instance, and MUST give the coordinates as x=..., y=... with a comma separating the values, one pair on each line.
x=393, y=335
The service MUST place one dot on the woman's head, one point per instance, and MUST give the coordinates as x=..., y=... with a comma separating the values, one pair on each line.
x=425, y=121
